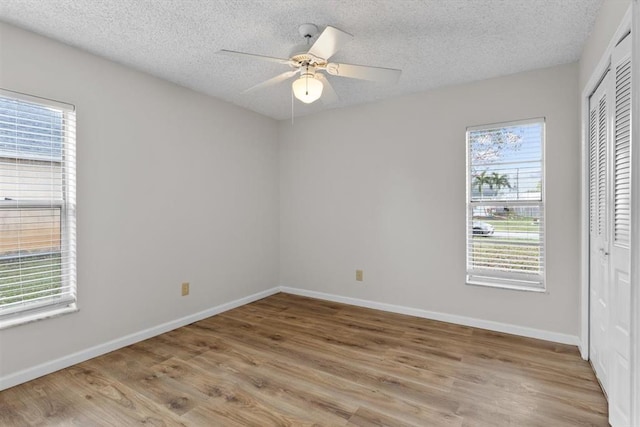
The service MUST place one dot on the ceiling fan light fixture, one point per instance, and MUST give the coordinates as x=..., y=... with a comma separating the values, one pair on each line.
x=308, y=58
x=307, y=88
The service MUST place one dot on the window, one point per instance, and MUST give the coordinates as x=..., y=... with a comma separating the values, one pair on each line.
x=505, y=205
x=37, y=208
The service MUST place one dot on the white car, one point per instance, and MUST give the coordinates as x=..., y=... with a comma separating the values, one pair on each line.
x=482, y=228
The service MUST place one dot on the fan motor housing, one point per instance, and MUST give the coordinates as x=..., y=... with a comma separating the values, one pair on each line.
x=300, y=56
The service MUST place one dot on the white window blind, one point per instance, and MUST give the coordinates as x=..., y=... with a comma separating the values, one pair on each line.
x=505, y=208
x=37, y=206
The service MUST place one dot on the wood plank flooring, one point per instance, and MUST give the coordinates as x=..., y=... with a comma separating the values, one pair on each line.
x=293, y=361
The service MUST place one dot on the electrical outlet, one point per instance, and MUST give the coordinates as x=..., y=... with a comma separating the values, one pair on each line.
x=185, y=289
x=359, y=274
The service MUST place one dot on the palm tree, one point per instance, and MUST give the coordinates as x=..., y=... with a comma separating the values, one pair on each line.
x=480, y=180
x=499, y=181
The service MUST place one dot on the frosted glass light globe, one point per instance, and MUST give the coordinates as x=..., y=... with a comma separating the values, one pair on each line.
x=307, y=89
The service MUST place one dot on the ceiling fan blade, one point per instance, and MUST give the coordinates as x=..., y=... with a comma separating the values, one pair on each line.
x=329, y=96
x=329, y=42
x=363, y=72
x=272, y=81
x=253, y=55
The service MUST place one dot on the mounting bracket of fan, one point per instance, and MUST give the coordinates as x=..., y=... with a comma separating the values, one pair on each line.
x=308, y=30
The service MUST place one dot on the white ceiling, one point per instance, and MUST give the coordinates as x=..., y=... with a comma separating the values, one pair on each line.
x=434, y=42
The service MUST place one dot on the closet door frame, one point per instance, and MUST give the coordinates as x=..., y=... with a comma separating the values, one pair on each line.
x=630, y=21
x=598, y=74
x=635, y=217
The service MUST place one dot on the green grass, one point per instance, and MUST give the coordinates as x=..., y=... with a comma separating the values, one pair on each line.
x=43, y=273
x=516, y=258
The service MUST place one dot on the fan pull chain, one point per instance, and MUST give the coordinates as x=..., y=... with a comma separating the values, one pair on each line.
x=306, y=81
x=292, y=102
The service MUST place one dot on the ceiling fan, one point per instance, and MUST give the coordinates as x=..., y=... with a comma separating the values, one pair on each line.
x=309, y=62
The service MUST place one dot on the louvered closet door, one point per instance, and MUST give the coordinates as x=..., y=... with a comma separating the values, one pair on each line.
x=619, y=212
x=598, y=231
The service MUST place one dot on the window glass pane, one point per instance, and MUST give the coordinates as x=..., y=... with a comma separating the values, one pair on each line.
x=30, y=131
x=506, y=238
x=506, y=163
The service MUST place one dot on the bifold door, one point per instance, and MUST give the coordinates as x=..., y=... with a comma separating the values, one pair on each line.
x=609, y=232
x=598, y=238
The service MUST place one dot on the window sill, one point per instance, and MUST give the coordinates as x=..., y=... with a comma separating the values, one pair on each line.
x=39, y=315
x=506, y=286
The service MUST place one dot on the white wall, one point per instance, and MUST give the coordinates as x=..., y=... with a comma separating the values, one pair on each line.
x=172, y=186
x=382, y=187
x=607, y=22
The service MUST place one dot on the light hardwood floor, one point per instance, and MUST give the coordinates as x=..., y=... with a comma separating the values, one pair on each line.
x=293, y=361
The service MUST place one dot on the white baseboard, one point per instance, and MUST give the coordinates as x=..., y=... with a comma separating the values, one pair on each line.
x=584, y=353
x=100, y=349
x=444, y=317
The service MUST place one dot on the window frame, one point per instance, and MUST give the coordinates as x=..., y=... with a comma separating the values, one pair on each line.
x=476, y=277
x=67, y=207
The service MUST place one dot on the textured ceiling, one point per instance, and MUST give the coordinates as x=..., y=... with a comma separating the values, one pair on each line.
x=434, y=42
